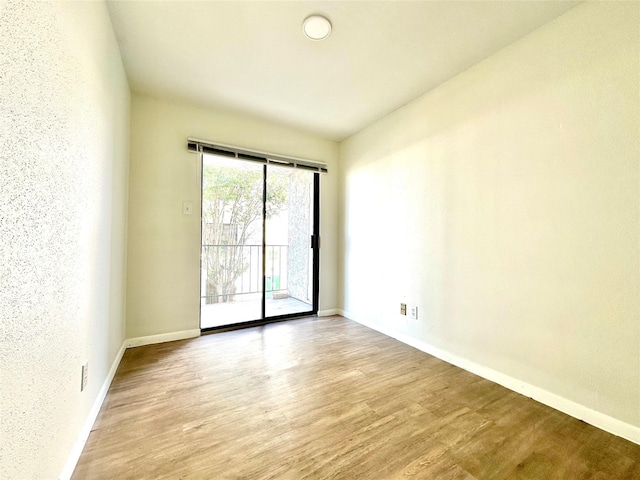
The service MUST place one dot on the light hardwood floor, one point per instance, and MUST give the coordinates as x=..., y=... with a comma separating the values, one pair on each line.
x=326, y=398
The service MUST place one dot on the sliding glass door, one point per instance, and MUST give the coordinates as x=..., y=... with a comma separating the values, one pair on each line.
x=289, y=229
x=258, y=257
x=231, y=258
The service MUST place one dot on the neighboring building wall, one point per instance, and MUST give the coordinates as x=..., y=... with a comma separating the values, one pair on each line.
x=63, y=198
x=505, y=204
x=300, y=217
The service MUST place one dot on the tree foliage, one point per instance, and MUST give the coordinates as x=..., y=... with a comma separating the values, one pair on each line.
x=232, y=207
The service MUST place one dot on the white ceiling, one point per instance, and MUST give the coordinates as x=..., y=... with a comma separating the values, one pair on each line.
x=251, y=56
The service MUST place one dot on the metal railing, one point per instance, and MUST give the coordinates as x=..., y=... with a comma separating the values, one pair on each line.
x=231, y=270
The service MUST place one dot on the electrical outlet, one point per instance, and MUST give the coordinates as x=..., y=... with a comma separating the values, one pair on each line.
x=403, y=309
x=413, y=313
x=85, y=377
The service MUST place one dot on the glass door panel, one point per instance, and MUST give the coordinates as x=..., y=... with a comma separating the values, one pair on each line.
x=288, y=252
x=232, y=229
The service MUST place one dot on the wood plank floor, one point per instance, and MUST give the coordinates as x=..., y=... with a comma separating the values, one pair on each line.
x=326, y=398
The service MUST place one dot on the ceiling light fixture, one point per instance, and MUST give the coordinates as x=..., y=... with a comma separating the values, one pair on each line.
x=316, y=27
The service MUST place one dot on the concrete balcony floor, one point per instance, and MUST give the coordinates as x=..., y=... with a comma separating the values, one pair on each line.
x=219, y=314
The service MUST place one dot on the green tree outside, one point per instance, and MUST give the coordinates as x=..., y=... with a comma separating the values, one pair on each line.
x=231, y=219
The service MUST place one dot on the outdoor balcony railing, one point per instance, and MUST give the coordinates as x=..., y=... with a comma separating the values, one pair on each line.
x=232, y=270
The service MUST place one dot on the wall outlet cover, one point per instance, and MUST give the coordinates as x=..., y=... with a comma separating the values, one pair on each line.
x=85, y=377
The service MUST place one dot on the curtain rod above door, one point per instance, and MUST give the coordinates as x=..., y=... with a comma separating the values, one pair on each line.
x=202, y=146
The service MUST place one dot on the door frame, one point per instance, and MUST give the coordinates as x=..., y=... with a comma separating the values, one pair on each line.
x=315, y=249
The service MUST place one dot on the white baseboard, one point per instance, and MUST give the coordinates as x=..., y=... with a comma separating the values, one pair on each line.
x=72, y=461
x=163, y=337
x=576, y=410
x=328, y=313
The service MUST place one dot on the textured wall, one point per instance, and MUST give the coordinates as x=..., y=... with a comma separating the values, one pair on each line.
x=504, y=204
x=63, y=190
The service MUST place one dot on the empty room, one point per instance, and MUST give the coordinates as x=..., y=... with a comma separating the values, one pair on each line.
x=320, y=240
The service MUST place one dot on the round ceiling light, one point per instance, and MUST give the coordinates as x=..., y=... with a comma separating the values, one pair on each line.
x=316, y=27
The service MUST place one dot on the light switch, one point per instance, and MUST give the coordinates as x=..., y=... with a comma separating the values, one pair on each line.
x=187, y=208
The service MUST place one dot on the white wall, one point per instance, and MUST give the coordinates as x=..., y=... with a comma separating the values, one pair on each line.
x=163, y=289
x=505, y=204
x=63, y=200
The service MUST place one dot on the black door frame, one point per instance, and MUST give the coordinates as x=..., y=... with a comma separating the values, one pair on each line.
x=315, y=248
